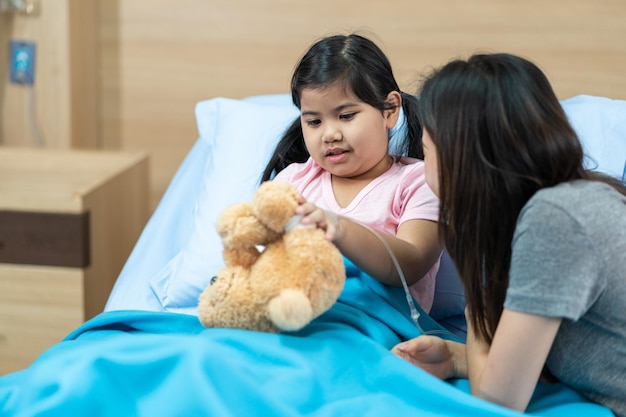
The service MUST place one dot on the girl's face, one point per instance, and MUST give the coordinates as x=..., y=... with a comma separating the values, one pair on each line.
x=430, y=161
x=344, y=135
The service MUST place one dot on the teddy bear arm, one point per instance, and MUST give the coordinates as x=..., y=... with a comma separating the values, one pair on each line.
x=245, y=256
x=275, y=204
x=238, y=226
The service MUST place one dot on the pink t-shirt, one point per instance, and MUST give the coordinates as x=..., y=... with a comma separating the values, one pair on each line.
x=398, y=195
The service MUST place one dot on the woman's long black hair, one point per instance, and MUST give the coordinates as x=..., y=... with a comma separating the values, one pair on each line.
x=364, y=70
x=501, y=135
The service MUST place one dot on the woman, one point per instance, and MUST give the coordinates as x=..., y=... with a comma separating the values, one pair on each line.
x=538, y=241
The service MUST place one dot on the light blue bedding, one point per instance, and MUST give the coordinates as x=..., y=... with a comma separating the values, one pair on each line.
x=140, y=363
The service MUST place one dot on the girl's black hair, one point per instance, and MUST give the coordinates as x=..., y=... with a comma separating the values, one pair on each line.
x=363, y=69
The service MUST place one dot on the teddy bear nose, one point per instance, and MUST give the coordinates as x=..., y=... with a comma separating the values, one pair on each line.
x=213, y=279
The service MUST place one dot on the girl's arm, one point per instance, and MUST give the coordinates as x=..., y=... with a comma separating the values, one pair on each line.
x=416, y=245
x=441, y=358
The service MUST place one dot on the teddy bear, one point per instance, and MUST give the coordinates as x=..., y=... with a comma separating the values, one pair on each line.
x=279, y=275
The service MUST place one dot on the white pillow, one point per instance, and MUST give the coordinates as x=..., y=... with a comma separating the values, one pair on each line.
x=601, y=126
x=242, y=135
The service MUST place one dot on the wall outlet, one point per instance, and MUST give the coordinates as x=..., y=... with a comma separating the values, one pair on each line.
x=22, y=62
x=27, y=7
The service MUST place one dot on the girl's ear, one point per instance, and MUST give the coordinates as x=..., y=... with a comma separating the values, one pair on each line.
x=394, y=101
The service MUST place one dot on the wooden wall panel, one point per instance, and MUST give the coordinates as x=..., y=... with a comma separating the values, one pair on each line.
x=158, y=58
x=64, y=95
x=126, y=75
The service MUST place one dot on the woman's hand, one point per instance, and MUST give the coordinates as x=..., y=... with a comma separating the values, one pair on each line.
x=441, y=358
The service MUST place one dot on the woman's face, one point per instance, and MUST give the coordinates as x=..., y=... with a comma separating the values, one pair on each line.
x=430, y=160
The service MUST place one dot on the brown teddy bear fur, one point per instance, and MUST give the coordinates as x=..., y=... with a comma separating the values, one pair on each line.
x=274, y=280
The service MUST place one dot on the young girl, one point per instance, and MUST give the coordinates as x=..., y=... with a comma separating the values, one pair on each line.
x=539, y=242
x=337, y=155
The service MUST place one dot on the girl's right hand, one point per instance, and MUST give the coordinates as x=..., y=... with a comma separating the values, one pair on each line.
x=322, y=219
x=441, y=358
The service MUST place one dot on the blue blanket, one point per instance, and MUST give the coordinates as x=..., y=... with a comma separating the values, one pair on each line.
x=137, y=363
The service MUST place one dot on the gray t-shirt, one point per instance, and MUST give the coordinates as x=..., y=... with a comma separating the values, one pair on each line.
x=569, y=261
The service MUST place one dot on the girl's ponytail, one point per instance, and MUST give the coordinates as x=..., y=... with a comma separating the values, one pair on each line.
x=412, y=143
x=291, y=148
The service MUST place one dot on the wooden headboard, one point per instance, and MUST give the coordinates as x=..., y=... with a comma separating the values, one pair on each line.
x=157, y=58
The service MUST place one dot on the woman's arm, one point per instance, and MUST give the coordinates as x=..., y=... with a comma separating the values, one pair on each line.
x=416, y=245
x=507, y=371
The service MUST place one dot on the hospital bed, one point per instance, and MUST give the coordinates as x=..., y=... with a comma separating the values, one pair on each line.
x=148, y=355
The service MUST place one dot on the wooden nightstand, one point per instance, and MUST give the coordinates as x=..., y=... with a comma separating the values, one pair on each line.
x=68, y=221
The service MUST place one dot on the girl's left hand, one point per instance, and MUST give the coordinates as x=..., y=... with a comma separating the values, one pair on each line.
x=441, y=358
